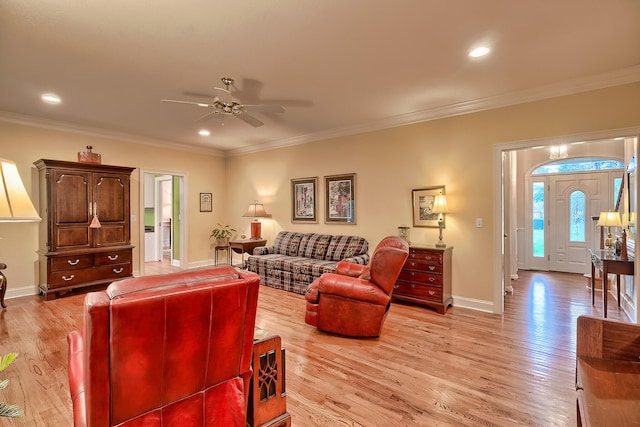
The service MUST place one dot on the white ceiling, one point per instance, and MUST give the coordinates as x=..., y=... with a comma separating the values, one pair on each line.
x=336, y=66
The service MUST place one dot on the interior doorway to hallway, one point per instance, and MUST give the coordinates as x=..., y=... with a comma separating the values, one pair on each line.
x=163, y=228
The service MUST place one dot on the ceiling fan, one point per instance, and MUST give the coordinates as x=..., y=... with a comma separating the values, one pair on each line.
x=225, y=105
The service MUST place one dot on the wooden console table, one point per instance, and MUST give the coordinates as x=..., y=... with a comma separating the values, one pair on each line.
x=267, y=392
x=248, y=245
x=608, y=263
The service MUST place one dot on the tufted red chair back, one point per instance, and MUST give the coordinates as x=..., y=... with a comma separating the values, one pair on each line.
x=170, y=350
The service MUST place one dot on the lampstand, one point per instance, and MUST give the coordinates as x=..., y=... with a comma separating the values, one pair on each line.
x=256, y=210
x=15, y=206
x=440, y=208
x=609, y=219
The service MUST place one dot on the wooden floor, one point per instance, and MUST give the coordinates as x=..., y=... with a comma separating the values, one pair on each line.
x=466, y=368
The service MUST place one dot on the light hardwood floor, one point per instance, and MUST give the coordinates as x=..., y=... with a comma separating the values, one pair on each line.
x=466, y=368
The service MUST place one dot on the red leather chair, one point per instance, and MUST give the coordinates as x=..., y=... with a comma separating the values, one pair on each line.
x=169, y=350
x=354, y=300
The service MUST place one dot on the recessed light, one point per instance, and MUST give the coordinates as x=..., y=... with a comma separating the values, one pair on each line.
x=479, y=52
x=204, y=132
x=51, y=98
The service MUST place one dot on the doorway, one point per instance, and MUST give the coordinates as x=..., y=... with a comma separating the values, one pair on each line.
x=507, y=227
x=162, y=194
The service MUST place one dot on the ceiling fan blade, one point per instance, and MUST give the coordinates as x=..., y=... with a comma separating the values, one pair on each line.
x=223, y=94
x=249, y=119
x=264, y=108
x=199, y=104
x=208, y=116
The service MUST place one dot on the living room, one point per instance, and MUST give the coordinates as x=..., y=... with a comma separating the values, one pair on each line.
x=461, y=152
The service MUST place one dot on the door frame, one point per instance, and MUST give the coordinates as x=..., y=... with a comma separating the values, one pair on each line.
x=499, y=241
x=184, y=215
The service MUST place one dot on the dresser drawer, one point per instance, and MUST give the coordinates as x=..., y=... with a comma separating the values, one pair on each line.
x=421, y=277
x=417, y=290
x=112, y=272
x=113, y=257
x=427, y=256
x=411, y=264
x=71, y=262
x=66, y=278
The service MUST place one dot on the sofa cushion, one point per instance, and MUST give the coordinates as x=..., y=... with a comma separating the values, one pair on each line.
x=314, y=245
x=342, y=247
x=287, y=243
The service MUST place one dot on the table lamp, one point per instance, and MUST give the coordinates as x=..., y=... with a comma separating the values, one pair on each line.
x=609, y=219
x=15, y=206
x=256, y=210
x=440, y=208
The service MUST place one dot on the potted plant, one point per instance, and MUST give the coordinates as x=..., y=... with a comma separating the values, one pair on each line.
x=8, y=410
x=222, y=234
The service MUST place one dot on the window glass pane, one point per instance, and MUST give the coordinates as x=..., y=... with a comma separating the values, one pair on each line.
x=576, y=217
x=538, y=219
x=617, y=182
x=578, y=165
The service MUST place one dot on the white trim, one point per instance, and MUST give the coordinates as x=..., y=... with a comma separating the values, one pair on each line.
x=473, y=304
x=609, y=79
x=21, y=291
x=21, y=119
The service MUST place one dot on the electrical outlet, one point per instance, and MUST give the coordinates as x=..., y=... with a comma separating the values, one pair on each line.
x=479, y=223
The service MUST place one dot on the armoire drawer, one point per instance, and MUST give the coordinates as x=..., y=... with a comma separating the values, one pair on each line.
x=69, y=262
x=113, y=257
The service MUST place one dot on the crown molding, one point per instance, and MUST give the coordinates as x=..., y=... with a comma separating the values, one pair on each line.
x=615, y=78
x=39, y=122
x=601, y=81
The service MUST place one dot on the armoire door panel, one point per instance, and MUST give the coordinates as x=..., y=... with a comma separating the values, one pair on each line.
x=71, y=194
x=72, y=238
x=111, y=234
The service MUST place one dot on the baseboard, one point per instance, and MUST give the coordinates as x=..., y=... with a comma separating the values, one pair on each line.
x=22, y=291
x=473, y=304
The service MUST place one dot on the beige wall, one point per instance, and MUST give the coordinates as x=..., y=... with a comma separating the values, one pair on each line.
x=26, y=144
x=456, y=152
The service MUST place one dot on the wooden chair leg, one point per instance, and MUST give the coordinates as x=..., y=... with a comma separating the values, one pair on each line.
x=3, y=285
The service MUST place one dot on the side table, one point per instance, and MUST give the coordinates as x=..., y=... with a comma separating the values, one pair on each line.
x=608, y=263
x=246, y=246
x=267, y=393
x=222, y=248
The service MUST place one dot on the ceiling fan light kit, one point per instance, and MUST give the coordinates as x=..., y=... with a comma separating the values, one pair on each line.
x=227, y=106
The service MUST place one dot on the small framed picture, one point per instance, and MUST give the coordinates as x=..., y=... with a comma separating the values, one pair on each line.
x=303, y=200
x=206, y=204
x=423, y=206
x=340, y=204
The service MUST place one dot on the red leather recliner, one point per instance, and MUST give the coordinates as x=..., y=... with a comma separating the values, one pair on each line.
x=168, y=350
x=354, y=300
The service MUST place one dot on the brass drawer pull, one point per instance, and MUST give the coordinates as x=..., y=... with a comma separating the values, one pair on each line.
x=66, y=279
x=118, y=270
x=396, y=286
x=427, y=257
x=431, y=267
x=432, y=293
x=73, y=262
x=112, y=258
x=432, y=279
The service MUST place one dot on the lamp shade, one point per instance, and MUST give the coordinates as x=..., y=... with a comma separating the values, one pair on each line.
x=439, y=204
x=15, y=204
x=256, y=210
x=609, y=219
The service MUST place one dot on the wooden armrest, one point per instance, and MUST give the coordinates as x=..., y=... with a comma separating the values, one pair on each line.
x=607, y=339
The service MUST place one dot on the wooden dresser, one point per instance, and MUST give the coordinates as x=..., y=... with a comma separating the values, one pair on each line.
x=426, y=278
x=73, y=253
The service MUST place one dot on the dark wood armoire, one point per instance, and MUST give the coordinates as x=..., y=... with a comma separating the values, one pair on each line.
x=85, y=236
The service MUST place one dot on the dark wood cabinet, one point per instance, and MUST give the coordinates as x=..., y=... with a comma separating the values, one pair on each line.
x=73, y=253
x=426, y=278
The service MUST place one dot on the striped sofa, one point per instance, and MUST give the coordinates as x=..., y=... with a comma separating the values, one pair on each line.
x=297, y=259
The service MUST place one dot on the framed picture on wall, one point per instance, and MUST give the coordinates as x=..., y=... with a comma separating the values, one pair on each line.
x=423, y=199
x=304, y=208
x=340, y=203
x=206, y=203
